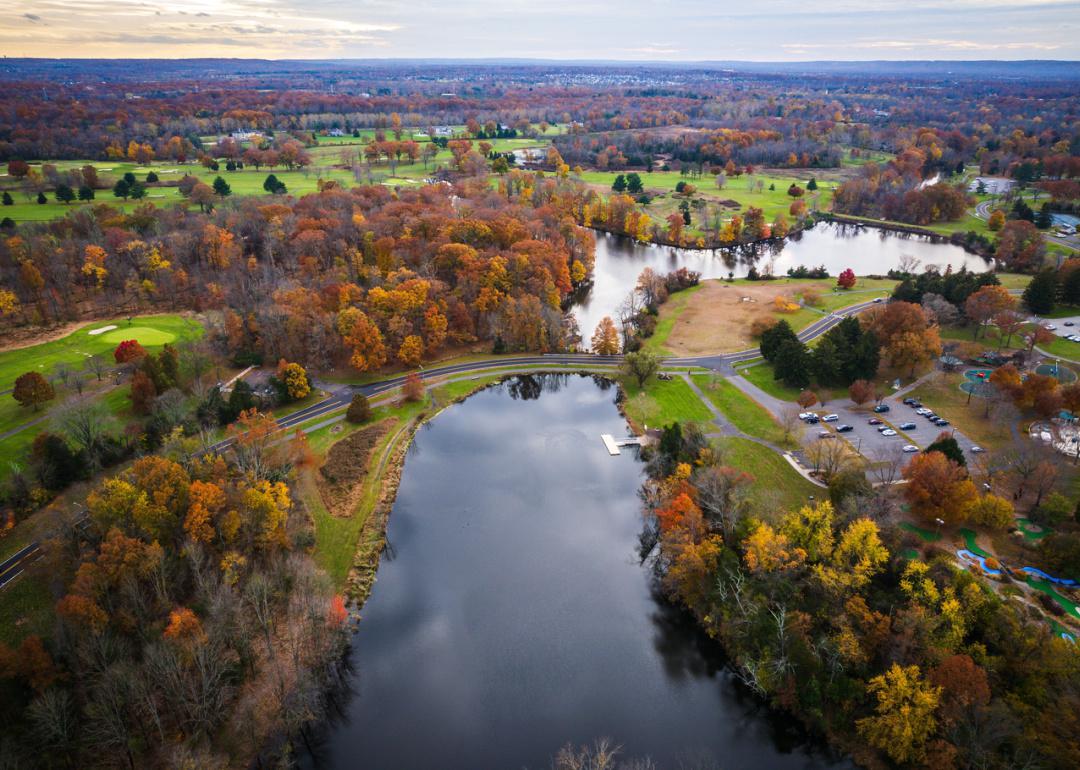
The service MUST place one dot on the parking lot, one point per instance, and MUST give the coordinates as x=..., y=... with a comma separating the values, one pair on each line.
x=868, y=441
x=1064, y=327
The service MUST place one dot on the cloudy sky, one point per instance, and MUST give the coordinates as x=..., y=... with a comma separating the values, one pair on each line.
x=685, y=30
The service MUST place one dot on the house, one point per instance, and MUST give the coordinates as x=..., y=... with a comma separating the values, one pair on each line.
x=443, y=131
x=335, y=132
x=246, y=136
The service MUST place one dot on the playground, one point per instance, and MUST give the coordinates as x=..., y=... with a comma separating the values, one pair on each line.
x=976, y=382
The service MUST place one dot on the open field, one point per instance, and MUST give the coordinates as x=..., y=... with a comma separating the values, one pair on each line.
x=942, y=394
x=662, y=403
x=715, y=316
x=777, y=486
x=745, y=414
x=151, y=331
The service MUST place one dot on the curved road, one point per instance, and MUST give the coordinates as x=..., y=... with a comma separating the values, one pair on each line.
x=339, y=399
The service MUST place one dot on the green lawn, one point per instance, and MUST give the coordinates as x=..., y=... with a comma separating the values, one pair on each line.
x=662, y=403
x=25, y=608
x=762, y=376
x=776, y=483
x=943, y=395
x=745, y=414
x=669, y=313
x=152, y=331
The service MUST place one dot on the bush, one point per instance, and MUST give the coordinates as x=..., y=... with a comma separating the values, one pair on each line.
x=359, y=410
x=413, y=389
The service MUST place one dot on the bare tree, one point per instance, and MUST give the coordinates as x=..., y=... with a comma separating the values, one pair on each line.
x=98, y=365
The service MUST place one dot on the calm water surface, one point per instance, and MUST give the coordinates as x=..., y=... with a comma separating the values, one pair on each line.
x=511, y=614
x=868, y=251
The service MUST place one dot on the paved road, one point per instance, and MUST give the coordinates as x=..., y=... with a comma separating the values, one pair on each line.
x=341, y=395
x=982, y=211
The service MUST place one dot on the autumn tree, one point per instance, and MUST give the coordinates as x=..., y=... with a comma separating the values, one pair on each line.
x=359, y=410
x=32, y=389
x=938, y=488
x=861, y=391
x=982, y=305
x=905, y=713
x=128, y=351
x=411, y=350
x=605, y=340
x=846, y=279
x=143, y=392
x=807, y=399
x=991, y=511
x=413, y=388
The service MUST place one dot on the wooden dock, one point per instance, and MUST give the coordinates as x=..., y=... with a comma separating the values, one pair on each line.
x=613, y=443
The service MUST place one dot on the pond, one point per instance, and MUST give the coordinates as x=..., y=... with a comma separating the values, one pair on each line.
x=512, y=615
x=868, y=251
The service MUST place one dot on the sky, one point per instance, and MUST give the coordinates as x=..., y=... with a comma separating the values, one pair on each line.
x=657, y=30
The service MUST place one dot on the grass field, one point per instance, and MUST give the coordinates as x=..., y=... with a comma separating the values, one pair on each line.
x=943, y=395
x=762, y=376
x=662, y=403
x=777, y=486
x=745, y=414
x=151, y=331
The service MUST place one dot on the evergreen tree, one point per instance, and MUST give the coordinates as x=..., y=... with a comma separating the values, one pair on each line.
x=1041, y=293
x=64, y=193
x=619, y=184
x=949, y=447
x=772, y=339
x=812, y=184
x=792, y=366
x=41, y=199
x=1043, y=220
x=122, y=189
x=8, y=200
x=86, y=193
x=221, y=187
x=633, y=183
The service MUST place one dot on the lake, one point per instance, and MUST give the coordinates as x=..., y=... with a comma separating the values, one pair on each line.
x=511, y=614
x=868, y=251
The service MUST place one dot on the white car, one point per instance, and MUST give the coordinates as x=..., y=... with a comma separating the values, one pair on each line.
x=1050, y=328
x=1073, y=338
x=804, y=415
x=977, y=450
x=831, y=417
x=909, y=448
x=889, y=432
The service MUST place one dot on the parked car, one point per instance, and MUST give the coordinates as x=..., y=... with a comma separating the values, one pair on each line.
x=881, y=408
x=941, y=422
x=825, y=434
x=882, y=428
x=831, y=417
x=909, y=448
x=873, y=421
x=931, y=416
x=922, y=411
x=878, y=300
x=663, y=376
x=888, y=432
x=812, y=420
x=1070, y=323
x=804, y=415
x=844, y=428
x=1050, y=327
x=910, y=401
x=908, y=426
x=977, y=450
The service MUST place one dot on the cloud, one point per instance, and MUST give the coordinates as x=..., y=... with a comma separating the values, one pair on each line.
x=33, y=17
x=928, y=44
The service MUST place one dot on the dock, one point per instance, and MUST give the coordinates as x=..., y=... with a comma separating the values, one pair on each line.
x=613, y=443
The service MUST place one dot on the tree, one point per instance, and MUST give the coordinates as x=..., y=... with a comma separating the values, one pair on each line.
x=981, y=306
x=996, y=220
x=221, y=187
x=64, y=193
x=641, y=365
x=633, y=183
x=1020, y=246
x=938, y=488
x=32, y=389
x=807, y=399
x=122, y=189
x=297, y=384
x=619, y=185
x=203, y=195
x=86, y=193
x=792, y=364
x=129, y=351
x=274, y=185
x=143, y=392
x=41, y=199
x=774, y=338
x=846, y=279
x=605, y=340
x=948, y=446
x=413, y=388
x=1041, y=293
x=991, y=511
x=904, y=718
x=861, y=391
x=359, y=410
x=411, y=350
x=8, y=200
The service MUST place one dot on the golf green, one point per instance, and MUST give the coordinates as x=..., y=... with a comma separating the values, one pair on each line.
x=144, y=334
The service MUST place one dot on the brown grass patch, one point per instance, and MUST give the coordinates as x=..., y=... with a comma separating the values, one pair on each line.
x=716, y=318
x=346, y=466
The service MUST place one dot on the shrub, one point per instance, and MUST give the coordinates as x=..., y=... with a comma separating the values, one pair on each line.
x=359, y=410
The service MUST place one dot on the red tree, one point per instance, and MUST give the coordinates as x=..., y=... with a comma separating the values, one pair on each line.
x=846, y=279
x=128, y=351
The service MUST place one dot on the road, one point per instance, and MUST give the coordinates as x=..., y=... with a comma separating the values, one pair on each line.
x=982, y=211
x=341, y=395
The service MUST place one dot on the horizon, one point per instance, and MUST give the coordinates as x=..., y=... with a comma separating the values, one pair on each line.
x=632, y=31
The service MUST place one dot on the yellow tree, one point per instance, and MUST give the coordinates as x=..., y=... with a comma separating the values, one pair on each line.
x=411, y=350
x=810, y=528
x=858, y=556
x=605, y=340
x=905, y=713
x=766, y=550
x=362, y=335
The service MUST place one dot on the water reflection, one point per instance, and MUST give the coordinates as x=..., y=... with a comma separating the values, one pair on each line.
x=516, y=616
x=868, y=251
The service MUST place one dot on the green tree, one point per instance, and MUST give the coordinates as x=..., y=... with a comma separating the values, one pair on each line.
x=122, y=189
x=41, y=199
x=1041, y=293
x=64, y=193
x=8, y=200
x=137, y=191
x=221, y=187
x=619, y=185
x=772, y=339
x=86, y=193
x=949, y=447
x=633, y=183
x=359, y=410
x=641, y=365
x=792, y=364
